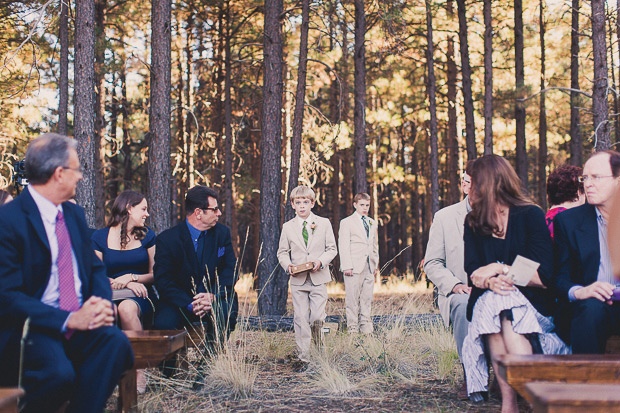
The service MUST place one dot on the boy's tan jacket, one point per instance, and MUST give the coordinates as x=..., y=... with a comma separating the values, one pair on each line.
x=356, y=249
x=321, y=246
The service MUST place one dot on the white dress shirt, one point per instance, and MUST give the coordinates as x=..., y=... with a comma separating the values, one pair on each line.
x=48, y=212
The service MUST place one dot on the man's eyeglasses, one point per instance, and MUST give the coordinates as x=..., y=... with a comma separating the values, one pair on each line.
x=79, y=169
x=214, y=209
x=593, y=178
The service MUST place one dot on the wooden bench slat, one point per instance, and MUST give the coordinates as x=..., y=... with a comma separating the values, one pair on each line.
x=518, y=370
x=548, y=397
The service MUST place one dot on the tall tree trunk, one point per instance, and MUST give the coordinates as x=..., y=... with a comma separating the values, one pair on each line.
x=300, y=96
x=84, y=104
x=189, y=114
x=181, y=136
x=488, y=77
x=542, y=120
x=613, y=84
x=113, y=177
x=127, y=167
x=228, y=130
x=347, y=172
x=359, y=111
x=452, y=137
x=335, y=118
x=616, y=94
x=272, y=281
x=159, y=170
x=600, y=106
x=63, y=81
x=576, y=142
x=100, y=6
x=430, y=65
x=468, y=101
x=521, y=150
x=416, y=251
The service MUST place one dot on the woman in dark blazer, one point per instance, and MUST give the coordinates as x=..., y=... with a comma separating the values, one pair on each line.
x=505, y=318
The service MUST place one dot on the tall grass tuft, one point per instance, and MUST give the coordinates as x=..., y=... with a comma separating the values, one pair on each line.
x=230, y=370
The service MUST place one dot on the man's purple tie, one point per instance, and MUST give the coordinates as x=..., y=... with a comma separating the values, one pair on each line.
x=67, y=297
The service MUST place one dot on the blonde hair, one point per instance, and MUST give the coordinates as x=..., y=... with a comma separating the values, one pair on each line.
x=360, y=196
x=302, y=191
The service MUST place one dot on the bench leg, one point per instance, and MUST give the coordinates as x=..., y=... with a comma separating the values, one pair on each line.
x=128, y=392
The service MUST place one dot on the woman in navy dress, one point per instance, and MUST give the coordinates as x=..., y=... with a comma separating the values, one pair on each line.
x=127, y=248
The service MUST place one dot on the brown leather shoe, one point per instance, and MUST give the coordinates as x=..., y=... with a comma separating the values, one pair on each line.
x=462, y=393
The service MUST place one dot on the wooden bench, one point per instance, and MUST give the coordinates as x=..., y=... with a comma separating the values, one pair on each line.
x=547, y=397
x=576, y=368
x=9, y=398
x=150, y=348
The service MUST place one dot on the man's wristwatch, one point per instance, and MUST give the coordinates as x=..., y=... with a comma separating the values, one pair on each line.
x=134, y=277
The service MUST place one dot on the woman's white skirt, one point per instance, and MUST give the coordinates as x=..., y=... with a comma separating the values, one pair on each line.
x=486, y=320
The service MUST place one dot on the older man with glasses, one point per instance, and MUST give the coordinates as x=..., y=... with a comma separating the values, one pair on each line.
x=584, y=277
x=195, y=269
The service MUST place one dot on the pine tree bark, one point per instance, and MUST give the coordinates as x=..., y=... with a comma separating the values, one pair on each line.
x=228, y=130
x=430, y=65
x=614, y=96
x=359, y=111
x=600, y=106
x=159, y=171
x=452, y=142
x=300, y=97
x=576, y=140
x=521, y=150
x=468, y=101
x=84, y=104
x=100, y=6
x=347, y=172
x=127, y=166
x=272, y=281
x=63, y=78
x=488, y=77
x=542, y=120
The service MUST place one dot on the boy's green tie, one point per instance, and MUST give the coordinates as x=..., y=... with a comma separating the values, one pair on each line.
x=304, y=232
x=366, y=227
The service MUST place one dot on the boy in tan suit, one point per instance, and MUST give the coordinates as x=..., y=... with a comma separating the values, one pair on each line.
x=359, y=258
x=307, y=238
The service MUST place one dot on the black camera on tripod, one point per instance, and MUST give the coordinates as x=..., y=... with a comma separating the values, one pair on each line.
x=19, y=175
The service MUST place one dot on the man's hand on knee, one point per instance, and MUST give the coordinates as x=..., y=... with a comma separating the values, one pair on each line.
x=600, y=290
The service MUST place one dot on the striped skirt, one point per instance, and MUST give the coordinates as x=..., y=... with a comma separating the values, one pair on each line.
x=486, y=320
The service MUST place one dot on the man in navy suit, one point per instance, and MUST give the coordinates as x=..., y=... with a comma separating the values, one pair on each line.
x=195, y=268
x=50, y=276
x=584, y=277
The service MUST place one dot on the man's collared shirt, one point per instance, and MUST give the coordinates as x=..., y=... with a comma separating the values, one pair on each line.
x=48, y=212
x=605, y=272
x=194, y=233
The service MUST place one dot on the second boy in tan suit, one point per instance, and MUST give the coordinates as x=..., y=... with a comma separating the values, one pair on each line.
x=307, y=238
x=359, y=258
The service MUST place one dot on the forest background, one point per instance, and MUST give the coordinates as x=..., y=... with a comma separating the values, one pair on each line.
x=251, y=98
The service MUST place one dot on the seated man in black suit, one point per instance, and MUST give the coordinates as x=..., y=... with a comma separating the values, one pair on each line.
x=195, y=269
x=584, y=277
x=50, y=276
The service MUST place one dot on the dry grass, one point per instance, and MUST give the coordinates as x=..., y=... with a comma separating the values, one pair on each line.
x=397, y=368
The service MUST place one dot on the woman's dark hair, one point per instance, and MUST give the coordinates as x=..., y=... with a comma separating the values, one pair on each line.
x=493, y=182
x=3, y=196
x=120, y=215
x=563, y=185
